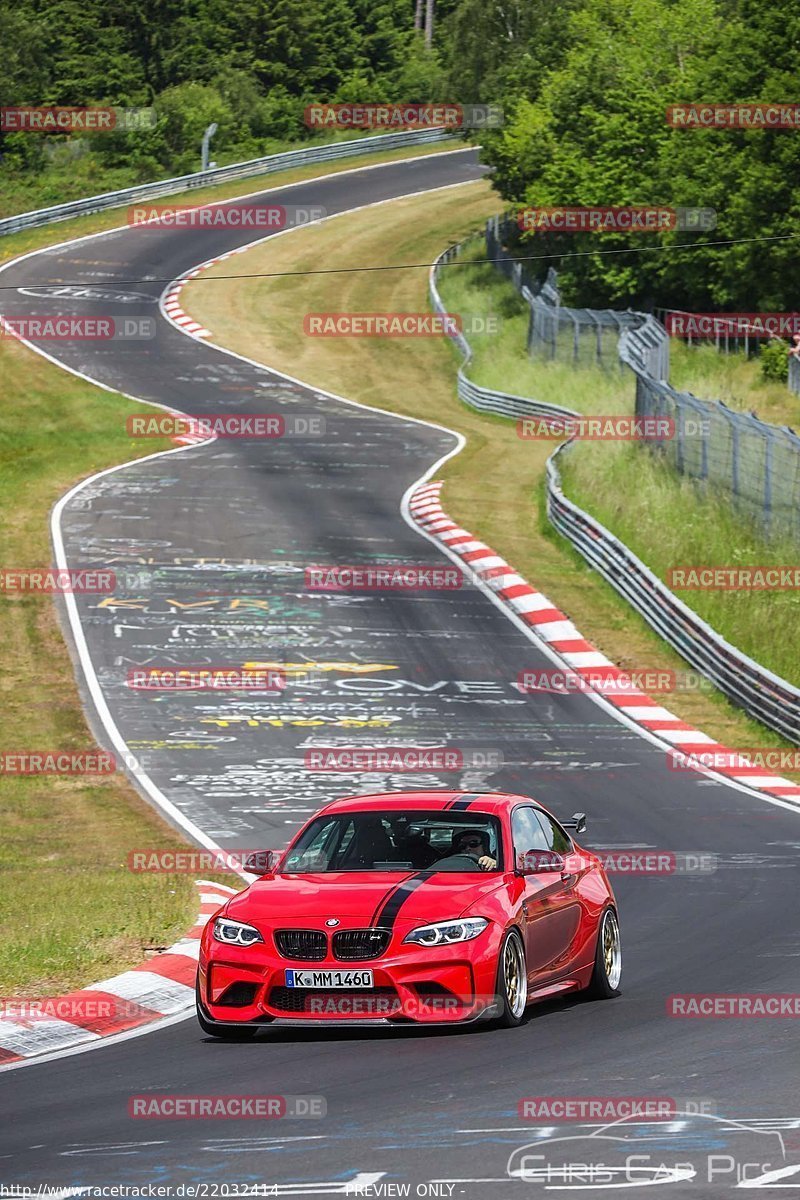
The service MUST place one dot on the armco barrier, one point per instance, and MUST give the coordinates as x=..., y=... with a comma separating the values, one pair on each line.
x=481, y=398
x=752, y=687
x=771, y=700
x=243, y=170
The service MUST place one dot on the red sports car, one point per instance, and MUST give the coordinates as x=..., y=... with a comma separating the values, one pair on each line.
x=412, y=907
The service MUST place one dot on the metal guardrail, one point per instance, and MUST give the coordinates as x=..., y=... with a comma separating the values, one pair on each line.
x=761, y=694
x=752, y=687
x=243, y=170
x=482, y=398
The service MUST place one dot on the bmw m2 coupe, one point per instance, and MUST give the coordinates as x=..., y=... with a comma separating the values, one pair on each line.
x=426, y=907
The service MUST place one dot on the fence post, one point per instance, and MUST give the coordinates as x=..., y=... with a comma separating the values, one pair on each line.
x=768, y=479
x=737, y=444
x=680, y=426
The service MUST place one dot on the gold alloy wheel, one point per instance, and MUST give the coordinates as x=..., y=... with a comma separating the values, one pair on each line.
x=612, y=949
x=515, y=976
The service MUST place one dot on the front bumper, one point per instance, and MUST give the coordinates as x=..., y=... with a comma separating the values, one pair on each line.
x=442, y=986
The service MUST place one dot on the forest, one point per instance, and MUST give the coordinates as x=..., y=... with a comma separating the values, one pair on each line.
x=583, y=85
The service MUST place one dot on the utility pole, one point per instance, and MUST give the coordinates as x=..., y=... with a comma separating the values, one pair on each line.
x=207, y=136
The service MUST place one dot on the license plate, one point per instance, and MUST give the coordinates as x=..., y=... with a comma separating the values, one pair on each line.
x=329, y=979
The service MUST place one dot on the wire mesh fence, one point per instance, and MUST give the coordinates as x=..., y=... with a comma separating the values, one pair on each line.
x=794, y=374
x=581, y=336
x=757, y=464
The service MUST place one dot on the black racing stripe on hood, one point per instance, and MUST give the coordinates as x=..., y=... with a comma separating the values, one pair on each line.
x=388, y=914
x=387, y=897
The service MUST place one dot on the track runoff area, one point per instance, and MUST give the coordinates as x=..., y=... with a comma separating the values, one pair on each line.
x=474, y=1112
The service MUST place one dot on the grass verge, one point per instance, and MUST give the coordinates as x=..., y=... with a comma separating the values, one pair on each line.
x=494, y=487
x=737, y=380
x=70, y=911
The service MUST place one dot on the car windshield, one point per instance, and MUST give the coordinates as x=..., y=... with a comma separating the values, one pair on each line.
x=397, y=841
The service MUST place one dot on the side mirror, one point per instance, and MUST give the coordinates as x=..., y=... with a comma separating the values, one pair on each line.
x=540, y=862
x=261, y=862
x=577, y=822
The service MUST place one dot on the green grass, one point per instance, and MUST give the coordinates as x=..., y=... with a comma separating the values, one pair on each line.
x=500, y=359
x=494, y=486
x=736, y=380
x=669, y=521
x=663, y=517
x=70, y=911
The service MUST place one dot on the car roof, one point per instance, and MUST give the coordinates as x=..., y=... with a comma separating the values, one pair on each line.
x=487, y=802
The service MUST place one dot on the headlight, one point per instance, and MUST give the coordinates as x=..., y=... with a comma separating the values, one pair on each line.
x=444, y=933
x=235, y=933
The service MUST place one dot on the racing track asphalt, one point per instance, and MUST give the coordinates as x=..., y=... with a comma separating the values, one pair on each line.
x=212, y=524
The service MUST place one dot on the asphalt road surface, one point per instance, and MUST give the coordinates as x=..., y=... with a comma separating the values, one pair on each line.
x=210, y=545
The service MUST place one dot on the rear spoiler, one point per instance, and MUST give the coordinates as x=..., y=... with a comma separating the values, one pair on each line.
x=577, y=822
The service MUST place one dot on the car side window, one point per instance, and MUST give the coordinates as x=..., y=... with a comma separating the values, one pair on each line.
x=526, y=832
x=555, y=838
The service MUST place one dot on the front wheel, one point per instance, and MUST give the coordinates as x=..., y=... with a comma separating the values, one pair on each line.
x=226, y=1033
x=512, y=981
x=607, y=960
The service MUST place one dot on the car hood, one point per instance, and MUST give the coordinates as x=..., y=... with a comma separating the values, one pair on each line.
x=361, y=898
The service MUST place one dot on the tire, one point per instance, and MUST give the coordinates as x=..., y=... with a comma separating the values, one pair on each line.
x=225, y=1033
x=512, y=981
x=607, y=959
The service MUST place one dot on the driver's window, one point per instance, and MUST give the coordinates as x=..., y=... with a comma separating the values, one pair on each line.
x=555, y=838
x=526, y=832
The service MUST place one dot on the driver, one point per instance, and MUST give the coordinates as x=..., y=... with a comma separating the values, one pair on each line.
x=475, y=844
